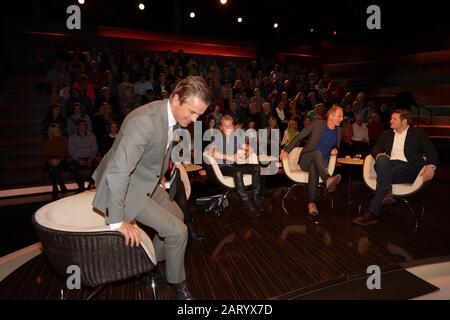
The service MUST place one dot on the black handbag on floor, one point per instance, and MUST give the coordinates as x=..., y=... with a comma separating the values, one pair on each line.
x=215, y=205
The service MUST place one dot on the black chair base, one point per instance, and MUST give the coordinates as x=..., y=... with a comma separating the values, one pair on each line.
x=148, y=281
x=325, y=193
x=418, y=219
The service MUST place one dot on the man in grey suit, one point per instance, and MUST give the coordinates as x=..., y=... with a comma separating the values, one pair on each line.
x=128, y=177
x=324, y=139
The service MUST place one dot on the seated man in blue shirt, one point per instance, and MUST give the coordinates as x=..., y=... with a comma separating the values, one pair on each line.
x=324, y=137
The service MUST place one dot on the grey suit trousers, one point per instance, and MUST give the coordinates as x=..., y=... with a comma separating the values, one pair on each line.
x=313, y=163
x=164, y=216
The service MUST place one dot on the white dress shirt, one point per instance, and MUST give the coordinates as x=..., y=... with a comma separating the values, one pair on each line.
x=398, y=147
x=171, y=124
x=281, y=114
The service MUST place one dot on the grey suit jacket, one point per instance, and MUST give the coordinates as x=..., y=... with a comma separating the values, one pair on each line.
x=314, y=132
x=131, y=170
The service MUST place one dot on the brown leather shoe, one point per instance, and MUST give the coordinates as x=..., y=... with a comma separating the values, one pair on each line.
x=388, y=196
x=365, y=219
x=332, y=182
x=312, y=209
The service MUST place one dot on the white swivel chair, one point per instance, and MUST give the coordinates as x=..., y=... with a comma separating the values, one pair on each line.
x=226, y=181
x=400, y=191
x=184, y=179
x=300, y=177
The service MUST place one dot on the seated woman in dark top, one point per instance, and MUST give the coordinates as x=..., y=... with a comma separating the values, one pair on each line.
x=54, y=115
x=106, y=142
x=104, y=116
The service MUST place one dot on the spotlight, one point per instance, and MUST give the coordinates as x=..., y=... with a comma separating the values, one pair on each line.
x=334, y=33
x=141, y=6
x=81, y=1
x=239, y=20
x=275, y=25
x=311, y=30
x=192, y=15
x=223, y=2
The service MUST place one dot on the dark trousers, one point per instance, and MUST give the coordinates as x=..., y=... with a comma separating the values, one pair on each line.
x=181, y=200
x=74, y=168
x=390, y=172
x=316, y=166
x=55, y=176
x=237, y=171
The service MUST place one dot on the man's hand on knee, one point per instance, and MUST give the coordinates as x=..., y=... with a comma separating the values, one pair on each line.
x=131, y=234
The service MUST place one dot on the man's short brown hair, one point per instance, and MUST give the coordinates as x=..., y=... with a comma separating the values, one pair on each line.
x=404, y=115
x=192, y=86
x=226, y=117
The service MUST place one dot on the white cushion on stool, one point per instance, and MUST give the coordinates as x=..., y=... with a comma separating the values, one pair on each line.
x=76, y=214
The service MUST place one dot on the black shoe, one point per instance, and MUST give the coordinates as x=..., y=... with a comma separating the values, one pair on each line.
x=249, y=206
x=247, y=203
x=193, y=233
x=159, y=272
x=261, y=210
x=81, y=189
x=266, y=195
x=258, y=204
x=181, y=291
x=253, y=213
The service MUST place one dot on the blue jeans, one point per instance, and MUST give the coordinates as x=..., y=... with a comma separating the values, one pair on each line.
x=390, y=172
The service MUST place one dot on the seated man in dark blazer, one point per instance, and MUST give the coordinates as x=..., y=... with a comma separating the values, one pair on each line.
x=399, y=156
x=324, y=138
